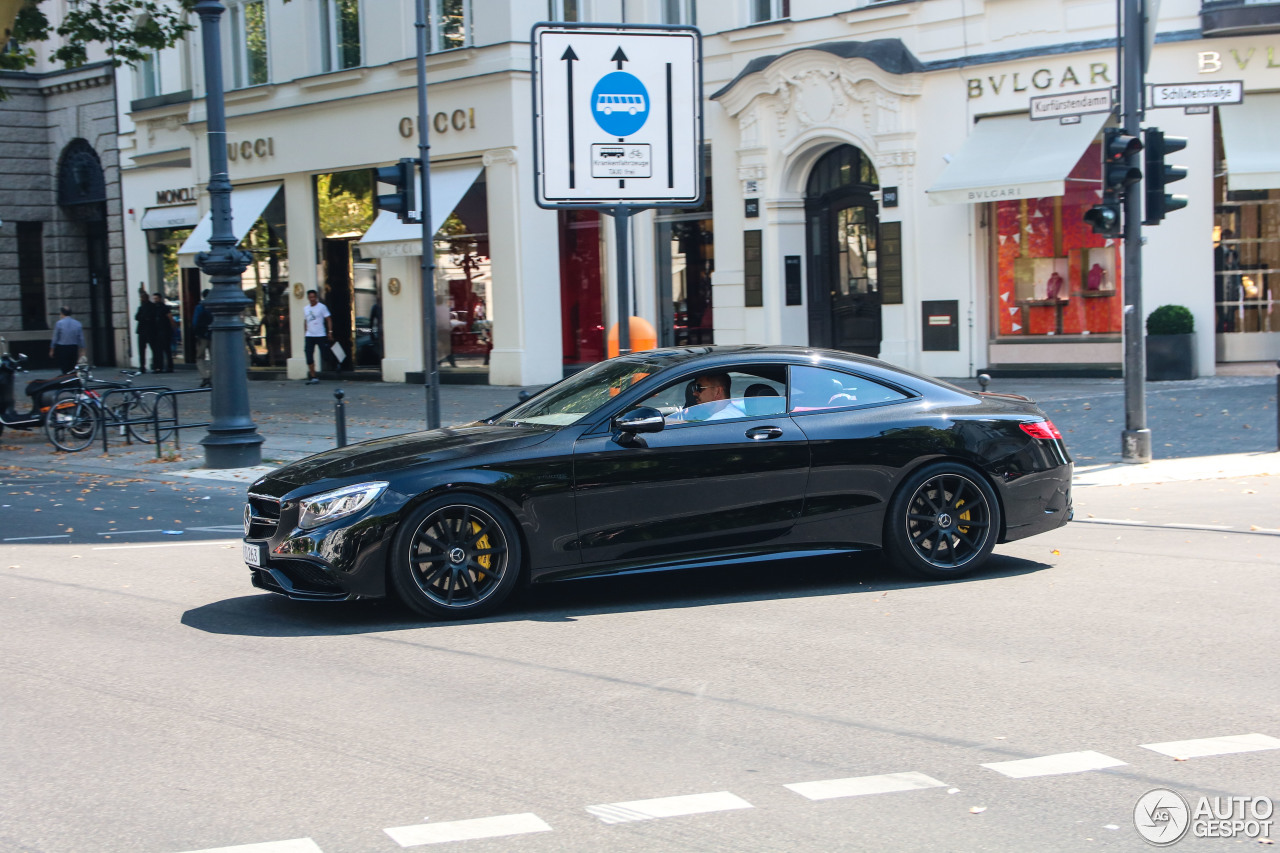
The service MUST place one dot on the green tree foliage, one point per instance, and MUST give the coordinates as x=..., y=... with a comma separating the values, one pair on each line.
x=128, y=30
x=345, y=202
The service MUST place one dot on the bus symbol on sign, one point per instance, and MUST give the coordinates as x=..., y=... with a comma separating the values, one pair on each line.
x=631, y=104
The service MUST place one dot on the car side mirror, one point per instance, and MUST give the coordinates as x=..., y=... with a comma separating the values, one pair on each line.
x=640, y=419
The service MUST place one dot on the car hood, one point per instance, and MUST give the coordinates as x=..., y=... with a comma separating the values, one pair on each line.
x=380, y=456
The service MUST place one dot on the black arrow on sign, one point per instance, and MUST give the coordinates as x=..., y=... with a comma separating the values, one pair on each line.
x=570, y=57
x=619, y=57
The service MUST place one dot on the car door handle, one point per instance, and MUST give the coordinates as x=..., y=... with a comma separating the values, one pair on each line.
x=761, y=433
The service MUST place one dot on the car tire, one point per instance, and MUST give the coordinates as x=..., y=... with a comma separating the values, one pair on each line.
x=943, y=522
x=456, y=557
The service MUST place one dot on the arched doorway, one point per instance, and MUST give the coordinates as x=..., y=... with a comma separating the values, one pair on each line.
x=842, y=228
x=82, y=195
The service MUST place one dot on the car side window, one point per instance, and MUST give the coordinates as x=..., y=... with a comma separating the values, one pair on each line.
x=750, y=392
x=816, y=388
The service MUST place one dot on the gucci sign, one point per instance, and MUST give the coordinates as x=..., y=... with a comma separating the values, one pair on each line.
x=248, y=150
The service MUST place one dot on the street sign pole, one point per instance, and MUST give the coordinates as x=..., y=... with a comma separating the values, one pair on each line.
x=431, y=370
x=1136, y=439
x=617, y=127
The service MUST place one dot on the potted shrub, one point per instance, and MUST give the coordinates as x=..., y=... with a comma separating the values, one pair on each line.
x=1171, y=344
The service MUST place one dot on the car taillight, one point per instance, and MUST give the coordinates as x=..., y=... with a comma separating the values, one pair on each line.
x=1041, y=429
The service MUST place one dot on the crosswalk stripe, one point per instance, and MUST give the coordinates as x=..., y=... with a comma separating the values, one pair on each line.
x=1052, y=765
x=719, y=801
x=465, y=830
x=1214, y=745
x=862, y=785
x=296, y=845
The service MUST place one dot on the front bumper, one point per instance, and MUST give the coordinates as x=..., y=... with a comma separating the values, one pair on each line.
x=336, y=562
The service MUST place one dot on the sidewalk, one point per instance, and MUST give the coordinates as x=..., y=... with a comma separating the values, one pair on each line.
x=1223, y=426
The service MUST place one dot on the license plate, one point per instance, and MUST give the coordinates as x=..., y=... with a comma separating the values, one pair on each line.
x=252, y=553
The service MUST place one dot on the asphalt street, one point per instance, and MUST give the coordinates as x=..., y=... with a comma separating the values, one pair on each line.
x=156, y=702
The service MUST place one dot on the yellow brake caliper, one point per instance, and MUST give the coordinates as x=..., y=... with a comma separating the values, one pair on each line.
x=482, y=544
x=964, y=516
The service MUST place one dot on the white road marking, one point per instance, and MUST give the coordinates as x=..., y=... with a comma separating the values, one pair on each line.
x=1214, y=746
x=27, y=538
x=720, y=801
x=164, y=545
x=463, y=830
x=862, y=785
x=296, y=845
x=1052, y=765
x=123, y=532
x=1220, y=528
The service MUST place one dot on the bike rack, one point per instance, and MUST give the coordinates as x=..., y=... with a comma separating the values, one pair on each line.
x=177, y=427
x=154, y=420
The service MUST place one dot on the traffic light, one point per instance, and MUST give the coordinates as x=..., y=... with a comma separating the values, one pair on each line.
x=1117, y=176
x=403, y=176
x=1160, y=173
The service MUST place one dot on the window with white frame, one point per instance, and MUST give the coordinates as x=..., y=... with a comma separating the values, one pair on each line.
x=769, y=10
x=680, y=12
x=248, y=43
x=565, y=10
x=147, y=81
x=450, y=24
x=340, y=34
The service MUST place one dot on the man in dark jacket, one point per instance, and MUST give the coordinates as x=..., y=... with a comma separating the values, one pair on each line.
x=201, y=320
x=160, y=335
x=143, y=327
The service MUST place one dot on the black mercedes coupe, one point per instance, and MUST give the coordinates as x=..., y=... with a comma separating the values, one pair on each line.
x=665, y=459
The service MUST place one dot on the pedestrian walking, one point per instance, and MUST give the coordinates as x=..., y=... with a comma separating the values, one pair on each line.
x=201, y=320
x=318, y=331
x=160, y=335
x=67, y=345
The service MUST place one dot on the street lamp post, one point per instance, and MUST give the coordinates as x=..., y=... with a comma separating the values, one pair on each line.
x=232, y=440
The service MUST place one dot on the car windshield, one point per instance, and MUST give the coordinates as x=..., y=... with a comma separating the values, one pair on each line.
x=581, y=394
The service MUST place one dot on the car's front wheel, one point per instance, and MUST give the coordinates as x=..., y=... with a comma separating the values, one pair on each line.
x=942, y=522
x=456, y=557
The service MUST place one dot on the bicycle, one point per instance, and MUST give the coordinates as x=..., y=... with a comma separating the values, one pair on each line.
x=77, y=413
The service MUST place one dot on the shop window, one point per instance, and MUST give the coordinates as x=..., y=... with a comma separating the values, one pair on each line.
x=340, y=34
x=248, y=43
x=565, y=10
x=464, y=303
x=31, y=275
x=1246, y=261
x=581, y=283
x=1054, y=276
x=450, y=25
x=685, y=243
x=680, y=12
x=768, y=10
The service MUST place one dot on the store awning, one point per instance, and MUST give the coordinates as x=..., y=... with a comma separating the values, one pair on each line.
x=1013, y=157
x=1249, y=133
x=247, y=204
x=389, y=237
x=182, y=216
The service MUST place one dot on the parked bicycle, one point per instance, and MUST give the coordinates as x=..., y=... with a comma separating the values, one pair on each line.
x=78, y=413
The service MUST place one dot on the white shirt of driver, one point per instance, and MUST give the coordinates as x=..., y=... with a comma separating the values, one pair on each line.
x=314, y=320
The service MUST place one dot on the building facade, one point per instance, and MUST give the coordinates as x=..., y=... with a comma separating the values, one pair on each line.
x=874, y=183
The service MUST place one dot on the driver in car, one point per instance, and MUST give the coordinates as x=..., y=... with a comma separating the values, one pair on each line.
x=711, y=399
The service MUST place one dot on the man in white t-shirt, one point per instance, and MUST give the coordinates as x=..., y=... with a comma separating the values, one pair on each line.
x=318, y=330
x=711, y=399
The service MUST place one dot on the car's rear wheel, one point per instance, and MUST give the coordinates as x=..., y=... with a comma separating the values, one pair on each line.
x=456, y=557
x=943, y=522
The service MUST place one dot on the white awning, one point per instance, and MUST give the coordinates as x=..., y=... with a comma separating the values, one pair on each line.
x=247, y=204
x=389, y=237
x=1249, y=133
x=182, y=216
x=1013, y=157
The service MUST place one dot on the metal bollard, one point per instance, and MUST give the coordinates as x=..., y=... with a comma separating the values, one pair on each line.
x=340, y=417
x=984, y=380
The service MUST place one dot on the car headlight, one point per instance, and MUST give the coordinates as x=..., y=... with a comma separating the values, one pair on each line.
x=326, y=507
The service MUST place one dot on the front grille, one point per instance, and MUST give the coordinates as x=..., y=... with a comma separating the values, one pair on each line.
x=264, y=517
x=306, y=576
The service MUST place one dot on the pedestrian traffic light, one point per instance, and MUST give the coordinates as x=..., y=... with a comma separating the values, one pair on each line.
x=1117, y=176
x=1160, y=173
x=403, y=176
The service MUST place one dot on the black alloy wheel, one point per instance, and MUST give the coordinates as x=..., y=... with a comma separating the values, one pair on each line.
x=943, y=522
x=456, y=557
